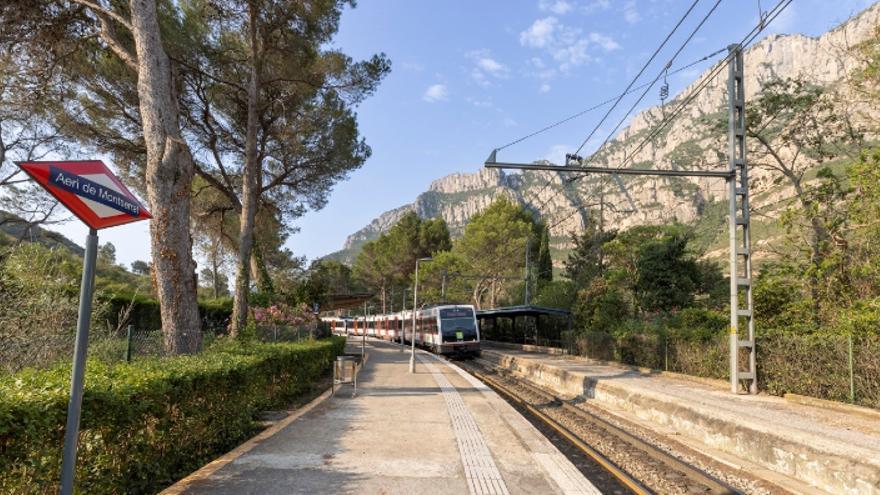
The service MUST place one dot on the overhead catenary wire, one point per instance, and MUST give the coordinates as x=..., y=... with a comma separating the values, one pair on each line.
x=597, y=106
x=641, y=71
x=747, y=39
x=650, y=85
x=605, y=102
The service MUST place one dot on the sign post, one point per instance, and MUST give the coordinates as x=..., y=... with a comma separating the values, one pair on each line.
x=92, y=193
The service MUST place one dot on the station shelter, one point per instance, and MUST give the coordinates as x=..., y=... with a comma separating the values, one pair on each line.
x=526, y=324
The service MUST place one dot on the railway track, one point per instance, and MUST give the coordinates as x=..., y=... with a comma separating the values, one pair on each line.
x=635, y=465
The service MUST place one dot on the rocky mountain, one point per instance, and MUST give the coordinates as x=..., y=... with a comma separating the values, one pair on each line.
x=690, y=141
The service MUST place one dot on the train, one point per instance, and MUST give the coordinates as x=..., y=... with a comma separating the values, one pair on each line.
x=447, y=329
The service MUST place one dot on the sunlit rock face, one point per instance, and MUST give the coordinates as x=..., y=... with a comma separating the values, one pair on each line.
x=690, y=142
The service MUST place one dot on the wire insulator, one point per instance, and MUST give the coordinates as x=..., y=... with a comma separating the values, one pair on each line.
x=664, y=91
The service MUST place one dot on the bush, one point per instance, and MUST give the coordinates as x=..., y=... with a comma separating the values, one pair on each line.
x=145, y=314
x=147, y=424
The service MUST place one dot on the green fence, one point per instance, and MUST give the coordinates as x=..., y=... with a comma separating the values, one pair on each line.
x=833, y=367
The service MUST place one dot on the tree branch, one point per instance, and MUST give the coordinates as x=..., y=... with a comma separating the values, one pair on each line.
x=101, y=11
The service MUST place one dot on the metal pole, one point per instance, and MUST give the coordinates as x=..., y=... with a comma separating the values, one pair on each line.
x=526, y=295
x=402, y=320
x=74, y=407
x=412, y=354
x=364, y=335
x=738, y=190
x=852, y=385
x=731, y=195
x=128, y=344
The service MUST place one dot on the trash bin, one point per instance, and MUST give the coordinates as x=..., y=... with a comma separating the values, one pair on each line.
x=344, y=371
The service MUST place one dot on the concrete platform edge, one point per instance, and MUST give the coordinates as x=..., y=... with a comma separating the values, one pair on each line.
x=555, y=351
x=208, y=469
x=826, y=471
x=833, y=405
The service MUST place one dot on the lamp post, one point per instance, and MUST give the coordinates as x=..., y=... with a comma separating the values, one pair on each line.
x=402, y=322
x=364, y=334
x=412, y=355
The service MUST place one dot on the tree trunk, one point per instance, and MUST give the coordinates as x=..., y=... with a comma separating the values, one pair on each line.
x=215, y=272
x=262, y=279
x=169, y=174
x=818, y=238
x=250, y=190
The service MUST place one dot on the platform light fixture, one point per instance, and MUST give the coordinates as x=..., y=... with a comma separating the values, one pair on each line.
x=412, y=355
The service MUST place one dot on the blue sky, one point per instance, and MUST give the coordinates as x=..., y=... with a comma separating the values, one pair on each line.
x=469, y=76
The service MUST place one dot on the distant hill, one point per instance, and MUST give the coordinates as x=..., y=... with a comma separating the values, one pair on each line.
x=686, y=143
x=16, y=227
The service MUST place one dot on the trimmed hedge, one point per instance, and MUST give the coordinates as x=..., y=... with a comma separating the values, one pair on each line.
x=149, y=423
x=145, y=313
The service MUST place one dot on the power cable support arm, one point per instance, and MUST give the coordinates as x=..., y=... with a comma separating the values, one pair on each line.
x=736, y=176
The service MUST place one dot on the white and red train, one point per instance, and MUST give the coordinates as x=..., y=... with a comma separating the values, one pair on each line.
x=446, y=329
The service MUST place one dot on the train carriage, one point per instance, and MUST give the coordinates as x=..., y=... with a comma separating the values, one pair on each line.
x=449, y=329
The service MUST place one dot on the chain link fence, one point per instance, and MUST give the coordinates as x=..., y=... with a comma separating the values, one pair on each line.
x=834, y=367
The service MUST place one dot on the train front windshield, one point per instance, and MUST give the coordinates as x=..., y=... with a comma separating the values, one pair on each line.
x=458, y=325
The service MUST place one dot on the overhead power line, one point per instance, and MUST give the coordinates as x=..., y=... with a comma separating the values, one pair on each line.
x=641, y=71
x=747, y=39
x=662, y=73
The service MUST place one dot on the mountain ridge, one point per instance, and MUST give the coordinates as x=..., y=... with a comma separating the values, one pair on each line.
x=822, y=60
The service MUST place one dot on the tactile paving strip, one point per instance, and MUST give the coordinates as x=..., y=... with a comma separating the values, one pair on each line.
x=479, y=466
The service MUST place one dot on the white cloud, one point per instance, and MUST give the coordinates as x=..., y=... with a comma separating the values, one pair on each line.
x=540, y=34
x=544, y=88
x=509, y=122
x=559, y=7
x=631, y=13
x=436, y=92
x=597, y=5
x=572, y=55
x=485, y=67
x=568, y=46
x=606, y=42
x=490, y=65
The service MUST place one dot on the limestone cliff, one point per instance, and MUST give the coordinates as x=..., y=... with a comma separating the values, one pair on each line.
x=686, y=143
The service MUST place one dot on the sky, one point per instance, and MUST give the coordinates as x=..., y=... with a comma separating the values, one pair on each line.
x=470, y=76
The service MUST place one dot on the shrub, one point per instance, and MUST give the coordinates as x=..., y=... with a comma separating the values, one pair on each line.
x=147, y=424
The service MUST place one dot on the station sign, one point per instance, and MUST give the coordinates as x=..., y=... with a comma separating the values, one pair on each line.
x=89, y=190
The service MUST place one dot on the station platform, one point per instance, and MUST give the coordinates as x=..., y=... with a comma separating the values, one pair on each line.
x=438, y=431
x=805, y=447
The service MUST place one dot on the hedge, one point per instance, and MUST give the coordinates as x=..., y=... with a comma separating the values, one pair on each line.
x=145, y=312
x=149, y=423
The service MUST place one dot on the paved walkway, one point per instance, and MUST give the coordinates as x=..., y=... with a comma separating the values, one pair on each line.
x=439, y=431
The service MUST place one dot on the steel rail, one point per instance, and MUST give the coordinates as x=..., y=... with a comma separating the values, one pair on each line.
x=716, y=487
x=592, y=453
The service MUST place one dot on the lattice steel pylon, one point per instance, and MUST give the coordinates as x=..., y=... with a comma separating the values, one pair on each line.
x=741, y=307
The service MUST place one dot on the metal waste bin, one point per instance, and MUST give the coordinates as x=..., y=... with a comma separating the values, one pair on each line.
x=345, y=370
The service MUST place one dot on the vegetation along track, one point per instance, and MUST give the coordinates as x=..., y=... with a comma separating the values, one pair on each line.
x=635, y=465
